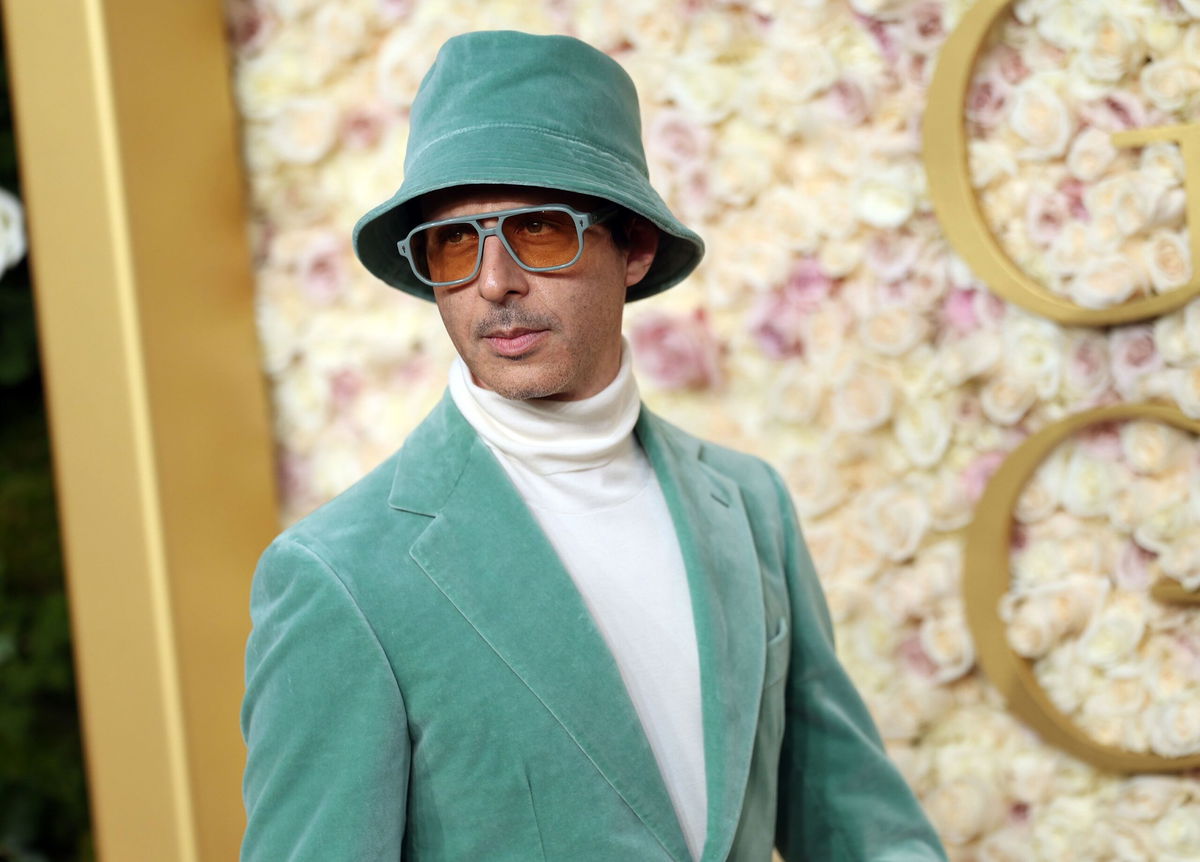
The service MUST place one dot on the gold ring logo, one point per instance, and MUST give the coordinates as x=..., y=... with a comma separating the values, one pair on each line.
x=957, y=208
x=986, y=558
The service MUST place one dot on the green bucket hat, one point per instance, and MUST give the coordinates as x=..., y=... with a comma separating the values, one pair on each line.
x=508, y=108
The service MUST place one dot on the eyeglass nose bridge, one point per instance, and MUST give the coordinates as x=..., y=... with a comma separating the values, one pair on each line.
x=582, y=222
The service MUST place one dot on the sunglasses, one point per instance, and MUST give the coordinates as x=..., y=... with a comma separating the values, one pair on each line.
x=540, y=239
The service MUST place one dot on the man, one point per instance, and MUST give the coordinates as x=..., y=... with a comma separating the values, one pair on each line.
x=552, y=626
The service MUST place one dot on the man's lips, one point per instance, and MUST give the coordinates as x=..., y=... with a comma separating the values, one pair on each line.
x=514, y=342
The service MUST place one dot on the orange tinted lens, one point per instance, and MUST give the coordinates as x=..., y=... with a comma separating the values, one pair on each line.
x=447, y=252
x=540, y=239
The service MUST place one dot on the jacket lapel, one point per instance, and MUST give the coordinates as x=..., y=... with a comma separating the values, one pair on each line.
x=727, y=602
x=486, y=553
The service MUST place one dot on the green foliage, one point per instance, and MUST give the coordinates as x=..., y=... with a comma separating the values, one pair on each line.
x=43, y=801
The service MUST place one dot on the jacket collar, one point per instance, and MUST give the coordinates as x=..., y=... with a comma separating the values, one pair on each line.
x=516, y=594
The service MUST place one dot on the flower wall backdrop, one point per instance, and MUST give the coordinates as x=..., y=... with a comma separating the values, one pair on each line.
x=832, y=330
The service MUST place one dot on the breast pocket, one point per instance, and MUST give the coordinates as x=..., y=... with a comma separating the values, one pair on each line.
x=778, y=652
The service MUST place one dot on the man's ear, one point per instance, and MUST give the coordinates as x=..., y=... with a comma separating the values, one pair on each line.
x=643, y=245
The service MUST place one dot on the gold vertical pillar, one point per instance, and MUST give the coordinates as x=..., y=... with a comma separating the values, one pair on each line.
x=162, y=453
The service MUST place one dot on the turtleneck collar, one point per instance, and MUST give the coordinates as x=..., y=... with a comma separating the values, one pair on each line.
x=551, y=437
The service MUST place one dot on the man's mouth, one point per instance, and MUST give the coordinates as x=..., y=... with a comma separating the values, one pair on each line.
x=514, y=342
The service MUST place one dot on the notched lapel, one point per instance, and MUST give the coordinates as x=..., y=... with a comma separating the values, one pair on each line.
x=727, y=603
x=488, y=556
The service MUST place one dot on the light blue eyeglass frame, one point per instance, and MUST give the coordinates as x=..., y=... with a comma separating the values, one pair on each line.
x=582, y=222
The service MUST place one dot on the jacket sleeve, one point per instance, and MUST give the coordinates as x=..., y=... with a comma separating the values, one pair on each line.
x=840, y=798
x=323, y=718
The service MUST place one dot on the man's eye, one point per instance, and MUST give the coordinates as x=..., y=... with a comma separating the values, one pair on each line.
x=453, y=235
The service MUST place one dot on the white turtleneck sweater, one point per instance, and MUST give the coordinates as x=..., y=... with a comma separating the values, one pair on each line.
x=588, y=483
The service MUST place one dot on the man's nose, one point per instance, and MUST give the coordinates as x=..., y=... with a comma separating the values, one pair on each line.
x=499, y=275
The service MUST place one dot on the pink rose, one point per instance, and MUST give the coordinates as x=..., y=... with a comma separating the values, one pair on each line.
x=884, y=34
x=979, y=472
x=674, y=140
x=1087, y=374
x=892, y=254
x=391, y=11
x=958, y=312
x=1114, y=112
x=1045, y=214
x=777, y=319
x=345, y=385
x=1101, y=441
x=1132, y=571
x=677, y=351
x=1134, y=355
x=1072, y=190
x=987, y=98
x=250, y=24
x=847, y=103
x=922, y=27
x=363, y=126
x=913, y=656
x=322, y=267
x=1009, y=63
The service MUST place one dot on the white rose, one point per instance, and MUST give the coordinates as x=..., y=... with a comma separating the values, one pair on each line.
x=885, y=199
x=949, y=503
x=1119, y=699
x=1111, y=47
x=1168, y=260
x=1173, y=727
x=863, y=401
x=1120, y=206
x=1149, y=797
x=1064, y=829
x=1151, y=447
x=1178, y=832
x=304, y=130
x=1185, y=389
x=338, y=33
x=923, y=431
x=857, y=557
x=1106, y=282
x=1091, y=153
x=1170, y=84
x=1005, y=845
x=1171, y=339
x=1005, y=400
x=1039, y=498
x=840, y=257
x=1033, y=352
x=816, y=485
x=906, y=707
x=990, y=160
x=892, y=331
x=947, y=641
x=1037, y=619
x=1088, y=485
x=1111, y=637
x=264, y=82
x=12, y=230
x=744, y=163
x=797, y=394
x=1181, y=559
x=1040, y=117
x=1163, y=161
x=896, y=519
x=1162, y=527
x=964, y=809
x=707, y=91
x=801, y=69
x=1070, y=249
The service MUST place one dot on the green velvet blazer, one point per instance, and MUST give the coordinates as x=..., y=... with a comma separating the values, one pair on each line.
x=425, y=683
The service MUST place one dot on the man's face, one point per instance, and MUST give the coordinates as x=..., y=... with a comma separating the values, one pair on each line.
x=553, y=335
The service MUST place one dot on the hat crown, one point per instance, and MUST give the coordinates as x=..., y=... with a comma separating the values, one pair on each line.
x=551, y=84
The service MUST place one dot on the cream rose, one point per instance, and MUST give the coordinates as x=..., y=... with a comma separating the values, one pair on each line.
x=1164, y=162
x=863, y=401
x=816, y=485
x=1151, y=447
x=1040, y=117
x=946, y=640
x=1039, y=618
x=896, y=519
x=1173, y=727
x=990, y=161
x=1110, y=49
x=892, y=331
x=964, y=809
x=1112, y=637
x=1158, y=530
x=885, y=198
x=1070, y=249
x=1005, y=400
x=1088, y=485
x=1033, y=351
x=923, y=430
x=1107, y=281
x=1168, y=260
x=1181, y=559
x=1091, y=153
x=1185, y=389
x=304, y=130
x=1149, y=797
x=1171, y=84
x=1039, y=498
